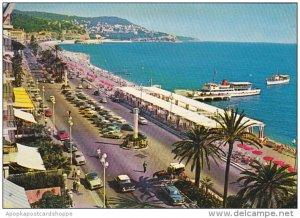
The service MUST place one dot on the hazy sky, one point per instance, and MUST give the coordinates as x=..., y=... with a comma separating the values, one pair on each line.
x=207, y=22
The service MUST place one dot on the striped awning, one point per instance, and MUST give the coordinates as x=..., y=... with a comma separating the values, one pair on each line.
x=22, y=99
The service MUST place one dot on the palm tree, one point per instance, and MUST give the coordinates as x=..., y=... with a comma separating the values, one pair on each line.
x=232, y=129
x=266, y=186
x=197, y=149
x=206, y=184
x=56, y=49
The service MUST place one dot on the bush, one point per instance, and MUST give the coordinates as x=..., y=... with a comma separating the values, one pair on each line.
x=38, y=180
x=197, y=194
x=49, y=200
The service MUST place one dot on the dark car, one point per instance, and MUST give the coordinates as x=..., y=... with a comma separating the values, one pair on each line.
x=127, y=127
x=172, y=194
x=48, y=113
x=97, y=93
x=62, y=135
x=124, y=183
x=67, y=146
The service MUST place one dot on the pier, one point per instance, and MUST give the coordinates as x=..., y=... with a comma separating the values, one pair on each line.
x=179, y=111
x=202, y=97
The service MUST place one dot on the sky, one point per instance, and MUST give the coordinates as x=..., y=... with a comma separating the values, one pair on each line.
x=275, y=23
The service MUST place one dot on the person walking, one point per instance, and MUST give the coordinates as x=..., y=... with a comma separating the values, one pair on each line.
x=74, y=173
x=77, y=185
x=145, y=166
x=98, y=152
x=78, y=173
x=74, y=186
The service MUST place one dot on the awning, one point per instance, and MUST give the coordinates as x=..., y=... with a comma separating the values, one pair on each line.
x=24, y=115
x=28, y=157
x=14, y=196
x=22, y=98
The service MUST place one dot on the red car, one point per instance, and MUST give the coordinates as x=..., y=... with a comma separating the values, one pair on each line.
x=62, y=135
x=48, y=113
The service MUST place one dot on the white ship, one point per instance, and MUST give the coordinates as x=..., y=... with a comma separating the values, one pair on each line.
x=234, y=89
x=278, y=79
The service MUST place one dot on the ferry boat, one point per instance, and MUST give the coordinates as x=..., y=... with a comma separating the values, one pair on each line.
x=234, y=89
x=278, y=79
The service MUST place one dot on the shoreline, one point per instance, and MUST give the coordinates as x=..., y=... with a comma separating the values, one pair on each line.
x=272, y=143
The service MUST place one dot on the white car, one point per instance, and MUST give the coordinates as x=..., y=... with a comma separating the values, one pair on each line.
x=143, y=121
x=124, y=183
x=79, y=86
x=78, y=157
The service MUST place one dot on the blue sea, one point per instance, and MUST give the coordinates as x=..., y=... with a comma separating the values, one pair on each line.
x=190, y=65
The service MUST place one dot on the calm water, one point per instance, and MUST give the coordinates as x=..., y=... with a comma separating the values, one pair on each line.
x=190, y=65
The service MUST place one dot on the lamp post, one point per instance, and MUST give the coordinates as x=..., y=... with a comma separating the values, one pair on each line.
x=105, y=165
x=53, y=109
x=70, y=137
x=43, y=92
x=141, y=87
x=171, y=98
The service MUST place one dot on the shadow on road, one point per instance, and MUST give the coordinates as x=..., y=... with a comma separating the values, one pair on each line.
x=106, y=143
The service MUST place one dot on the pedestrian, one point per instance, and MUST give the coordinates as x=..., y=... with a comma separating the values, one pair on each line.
x=78, y=174
x=77, y=185
x=98, y=152
x=46, y=120
x=74, y=186
x=74, y=173
x=145, y=166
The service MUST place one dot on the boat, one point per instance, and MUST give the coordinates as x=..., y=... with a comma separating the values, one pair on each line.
x=234, y=89
x=278, y=79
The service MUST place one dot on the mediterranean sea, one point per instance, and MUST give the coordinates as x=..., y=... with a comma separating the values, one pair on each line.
x=190, y=65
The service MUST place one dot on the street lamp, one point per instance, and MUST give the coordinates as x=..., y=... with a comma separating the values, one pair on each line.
x=53, y=109
x=43, y=91
x=105, y=165
x=141, y=87
x=70, y=137
x=171, y=98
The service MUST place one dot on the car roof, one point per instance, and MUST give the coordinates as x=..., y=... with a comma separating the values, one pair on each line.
x=123, y=177
x=171, y=188
x=78, y=152
x=177, y=165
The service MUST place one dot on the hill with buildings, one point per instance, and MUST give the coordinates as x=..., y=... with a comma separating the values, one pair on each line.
x=75, y=27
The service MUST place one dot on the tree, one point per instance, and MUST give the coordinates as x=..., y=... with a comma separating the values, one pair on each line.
x=206, y=184
x=17, y=45
x=17, y=68
x=33, y=45
x=57, y=48
x=232, y=129
x=266, y=186
x=197, y=148
x=133, y=202
x=49, y=200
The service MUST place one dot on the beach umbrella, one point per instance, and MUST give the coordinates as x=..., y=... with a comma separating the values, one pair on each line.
x=241, y=145
x=268, y=158
x=279, y=162
x=292, y=169
x=247, y=148
x=257, y=152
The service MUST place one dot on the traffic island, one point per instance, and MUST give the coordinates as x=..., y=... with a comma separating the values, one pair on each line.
x=132, y=143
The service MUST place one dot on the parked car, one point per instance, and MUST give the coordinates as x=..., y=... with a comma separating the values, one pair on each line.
x=67, y=146
x=143, y=121
x=172, y=194
x=103, y=100
x=99, y=107
x=88, y=86
x=124, y=183
x=48, y=113
x=112, y=134
x=97, y=93
x=90, y=113
x=127, y=127
x=111, y=128
x=79, y=86
x=93, y=180
x=62, y=135
x=79, y=158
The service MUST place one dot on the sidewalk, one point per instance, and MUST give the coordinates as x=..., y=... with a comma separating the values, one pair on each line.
x=84, y=198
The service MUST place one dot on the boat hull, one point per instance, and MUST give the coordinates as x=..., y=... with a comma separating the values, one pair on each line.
x=282, y=82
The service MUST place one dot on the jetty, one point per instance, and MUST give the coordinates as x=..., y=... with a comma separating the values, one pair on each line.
x=202, y=97
x=180, y=111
